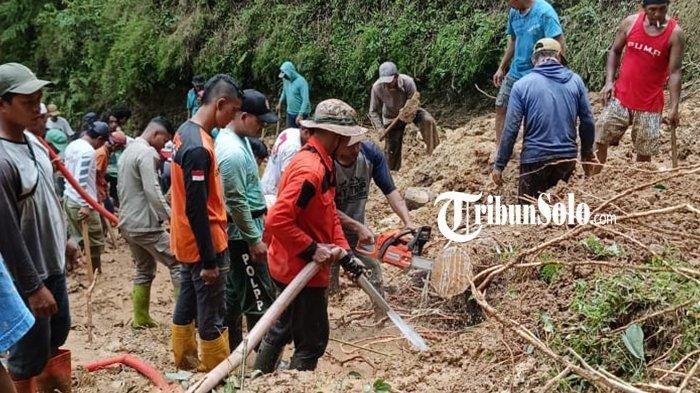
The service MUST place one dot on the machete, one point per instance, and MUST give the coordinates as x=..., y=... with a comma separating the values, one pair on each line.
x=411, y=335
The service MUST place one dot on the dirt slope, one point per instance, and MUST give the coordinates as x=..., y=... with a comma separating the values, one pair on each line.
x=467, y=354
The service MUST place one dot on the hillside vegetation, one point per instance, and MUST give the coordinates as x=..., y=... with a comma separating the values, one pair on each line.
x=144, y=52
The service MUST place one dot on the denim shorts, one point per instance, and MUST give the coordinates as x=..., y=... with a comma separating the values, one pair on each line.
x=504, y=92
x=15, y=318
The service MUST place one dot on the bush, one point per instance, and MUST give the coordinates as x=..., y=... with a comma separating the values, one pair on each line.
x=104, y=51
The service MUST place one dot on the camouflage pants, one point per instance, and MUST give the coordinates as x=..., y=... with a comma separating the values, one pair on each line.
x=616, y=119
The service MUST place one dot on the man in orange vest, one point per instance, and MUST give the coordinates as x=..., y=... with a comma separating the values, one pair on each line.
x=198, y=229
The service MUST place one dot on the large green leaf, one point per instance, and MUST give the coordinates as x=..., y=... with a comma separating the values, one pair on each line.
x=634, y=341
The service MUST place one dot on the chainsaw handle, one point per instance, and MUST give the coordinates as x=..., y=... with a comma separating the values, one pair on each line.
x=368, y=250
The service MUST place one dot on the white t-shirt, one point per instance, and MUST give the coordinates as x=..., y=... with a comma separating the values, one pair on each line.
x=288, y=143
x=61, y=124
x=81, y=163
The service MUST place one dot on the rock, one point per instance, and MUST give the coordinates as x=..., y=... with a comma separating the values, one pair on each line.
x=417, y=197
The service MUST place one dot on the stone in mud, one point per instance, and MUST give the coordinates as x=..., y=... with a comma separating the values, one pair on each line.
x=417, y=197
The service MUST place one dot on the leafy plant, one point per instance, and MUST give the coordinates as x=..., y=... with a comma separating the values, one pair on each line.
x=596, y=246
x=549, y=272
x=606, y=303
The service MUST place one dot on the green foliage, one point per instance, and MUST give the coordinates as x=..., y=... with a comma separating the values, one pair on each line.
x=601, y=251
x=549, y=272
x=144, y=52
x=606, y=303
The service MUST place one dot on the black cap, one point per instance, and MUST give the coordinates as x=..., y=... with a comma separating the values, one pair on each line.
x=255, y=103
x=99, y=129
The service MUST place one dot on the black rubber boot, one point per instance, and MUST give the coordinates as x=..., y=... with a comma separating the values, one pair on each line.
x=268, y=357
x=303, y=364
x=235, y=330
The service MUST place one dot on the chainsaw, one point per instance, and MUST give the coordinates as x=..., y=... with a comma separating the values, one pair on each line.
x=401, y=248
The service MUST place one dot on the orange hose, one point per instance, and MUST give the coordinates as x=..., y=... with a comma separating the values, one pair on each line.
x=137, y=364
x=74, y=183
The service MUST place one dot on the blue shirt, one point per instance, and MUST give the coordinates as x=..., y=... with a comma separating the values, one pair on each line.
x=192, y=102
x=549, y=100
x=541, y=21
x=15, y=318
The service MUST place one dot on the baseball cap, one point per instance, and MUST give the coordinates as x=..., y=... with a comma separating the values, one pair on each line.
x=255, y=103
x=18, y=79
x=549, y=44
x=57, y=138
x=99, y=129
x=387, y=71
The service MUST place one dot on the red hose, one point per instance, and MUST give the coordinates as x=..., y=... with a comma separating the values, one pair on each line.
x=74, y=183
x=137, y=364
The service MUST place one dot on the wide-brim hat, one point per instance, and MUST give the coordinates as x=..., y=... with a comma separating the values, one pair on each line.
x=337, y=117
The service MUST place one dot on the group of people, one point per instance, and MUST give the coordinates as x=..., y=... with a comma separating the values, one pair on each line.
x=538, y=91
x=192, y=198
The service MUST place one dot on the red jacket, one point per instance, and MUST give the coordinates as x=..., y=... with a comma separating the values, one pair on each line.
x=304, y=215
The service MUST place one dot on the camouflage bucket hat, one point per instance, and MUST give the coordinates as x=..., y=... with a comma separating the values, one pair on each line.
x=337, y=117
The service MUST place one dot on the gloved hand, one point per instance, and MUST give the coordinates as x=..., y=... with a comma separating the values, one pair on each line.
x=353, y=266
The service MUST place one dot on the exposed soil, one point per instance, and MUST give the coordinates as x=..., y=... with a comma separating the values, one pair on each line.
x=468, y=351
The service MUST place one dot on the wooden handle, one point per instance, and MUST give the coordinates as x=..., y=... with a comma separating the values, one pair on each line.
x=86, y=247
x=256, y=334
x=393, y=123
x=674, y=147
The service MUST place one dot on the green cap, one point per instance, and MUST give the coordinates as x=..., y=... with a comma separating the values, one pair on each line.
x=57, y=138
x=18, y=79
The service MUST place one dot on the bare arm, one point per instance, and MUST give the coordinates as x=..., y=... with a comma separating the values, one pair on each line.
x=348, y=223
x=675, y=78
x=363, y=233
x=398, y=205
x=508, y=56
x=562, y=41
x=615, y=52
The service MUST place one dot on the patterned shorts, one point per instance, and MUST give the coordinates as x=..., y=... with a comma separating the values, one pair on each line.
x=614, y=121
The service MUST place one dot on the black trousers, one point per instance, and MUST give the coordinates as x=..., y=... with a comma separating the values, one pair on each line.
x=205, y=303
x=29, y=356
x=305, y=322
x=539, y=177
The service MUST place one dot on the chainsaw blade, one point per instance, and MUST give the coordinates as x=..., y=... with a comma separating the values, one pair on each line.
x=411, y=335
x=421, y=263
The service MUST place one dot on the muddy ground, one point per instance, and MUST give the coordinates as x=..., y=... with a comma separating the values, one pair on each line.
x=469, y=352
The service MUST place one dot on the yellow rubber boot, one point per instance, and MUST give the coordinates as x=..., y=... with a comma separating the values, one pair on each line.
x=213, y=352
x=184, y=345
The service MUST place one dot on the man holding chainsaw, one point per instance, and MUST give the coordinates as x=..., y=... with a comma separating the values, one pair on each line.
x=355, y=165
x=304, y=228
x=388, y=97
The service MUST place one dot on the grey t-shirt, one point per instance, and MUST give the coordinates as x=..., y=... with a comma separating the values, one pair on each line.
x=352, y=184
x=60, y=123
x=42, y=222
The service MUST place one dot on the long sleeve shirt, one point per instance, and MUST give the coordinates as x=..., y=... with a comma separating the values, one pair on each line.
x=102, y=156
x=143, y=207
x=295, y=91
x=81, y=162
x=549, y=100
x=33, y=240
x=242, y=191
x=304, y=216
x=385, y=103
